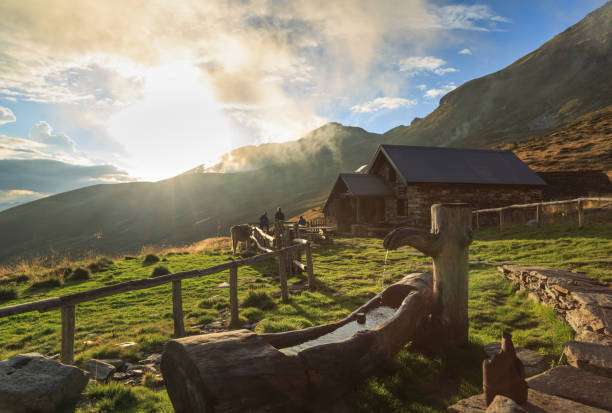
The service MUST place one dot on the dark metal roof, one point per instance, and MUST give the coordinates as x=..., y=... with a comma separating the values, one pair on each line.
x=366, y=185
x=454, y=165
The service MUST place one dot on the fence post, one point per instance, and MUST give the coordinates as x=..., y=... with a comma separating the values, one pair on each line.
x=177, y=309
x=309, y=268
x=282, y=273
x=447, y=244
x=234, y=294
x=580, y=214
x=68, y=321
x=477, y=220
x=539, y=215
x=501, y=219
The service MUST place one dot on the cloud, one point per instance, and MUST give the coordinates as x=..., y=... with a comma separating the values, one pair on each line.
x=56, y=142
x=383, y=103
x=465, y=51
x=477, y=17
x=421, y=86
x=6, y=116
x=14, y=197
x=424, y=64
x=50, y=176
x=434, y=93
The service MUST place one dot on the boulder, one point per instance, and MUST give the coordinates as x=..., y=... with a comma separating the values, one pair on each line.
x=596, y=358
x=503, y=404
x=575, y=384
x=537, y=402
x=31, y=382
x=117, y=363
x=99, y=369
x=534, y=362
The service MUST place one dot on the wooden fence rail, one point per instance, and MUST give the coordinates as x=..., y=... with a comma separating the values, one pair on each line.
x=67, y=303
x=538, y=206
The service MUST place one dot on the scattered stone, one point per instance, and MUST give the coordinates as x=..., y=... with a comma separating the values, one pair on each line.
x=502, y=404
x=504, y=374
x=585, y=304
x=575, y=384
x=30, y=382
x=537, y=403
x=117, y=363
x=89, y=343
x=126, y=344
x=224, y=284
x=120, y=376
x=154, y=358
x=99, y=369
x=534, y=362
x=595, y=358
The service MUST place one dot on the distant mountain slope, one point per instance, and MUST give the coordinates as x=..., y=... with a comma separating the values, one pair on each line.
x=121, y=217
x=583, y=144
x=568, y=76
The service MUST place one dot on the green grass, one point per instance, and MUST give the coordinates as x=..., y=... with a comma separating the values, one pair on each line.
x=348, y=274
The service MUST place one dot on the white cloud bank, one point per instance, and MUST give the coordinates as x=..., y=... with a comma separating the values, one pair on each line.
x=6, y=116
x=465, y=51
x=383, y=103
x=425, y=64
x=434, y=93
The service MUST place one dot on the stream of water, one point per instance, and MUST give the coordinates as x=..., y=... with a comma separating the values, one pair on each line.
x=373, y=318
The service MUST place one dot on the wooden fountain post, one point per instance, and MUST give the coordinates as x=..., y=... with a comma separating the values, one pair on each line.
x=447, y=244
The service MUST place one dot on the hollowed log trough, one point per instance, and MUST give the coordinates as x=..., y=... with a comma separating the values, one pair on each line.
x=241, y=371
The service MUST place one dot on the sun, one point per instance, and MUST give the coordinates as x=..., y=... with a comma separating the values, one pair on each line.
x=177, y=125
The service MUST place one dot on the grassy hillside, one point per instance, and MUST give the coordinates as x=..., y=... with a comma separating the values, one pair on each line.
x=348, y=273
x=583, y=144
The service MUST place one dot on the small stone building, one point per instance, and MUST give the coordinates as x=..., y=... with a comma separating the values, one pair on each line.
x=400, y=184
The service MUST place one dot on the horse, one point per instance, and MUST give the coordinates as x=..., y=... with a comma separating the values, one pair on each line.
x=240, y=233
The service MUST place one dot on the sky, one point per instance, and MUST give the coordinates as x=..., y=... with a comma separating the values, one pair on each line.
x=123, y=90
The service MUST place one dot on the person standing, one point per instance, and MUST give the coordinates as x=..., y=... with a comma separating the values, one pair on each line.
x=302, y=221
x=264, y=222
x=279, y=216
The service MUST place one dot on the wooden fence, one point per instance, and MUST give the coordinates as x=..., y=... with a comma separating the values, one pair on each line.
x=578, y=202
x=67, y=303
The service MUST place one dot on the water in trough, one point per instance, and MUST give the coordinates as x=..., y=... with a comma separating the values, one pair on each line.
x=374, y=317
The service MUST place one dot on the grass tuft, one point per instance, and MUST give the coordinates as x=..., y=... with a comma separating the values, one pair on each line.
x=80, y=274
x=150, y=259
x=159, y=271
x=260, y=300
x=8, y=293
x=101, y=264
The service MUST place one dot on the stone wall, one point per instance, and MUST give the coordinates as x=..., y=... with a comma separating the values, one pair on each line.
x=420, y=197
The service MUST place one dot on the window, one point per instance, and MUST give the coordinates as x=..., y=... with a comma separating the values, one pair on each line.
x=401, y=207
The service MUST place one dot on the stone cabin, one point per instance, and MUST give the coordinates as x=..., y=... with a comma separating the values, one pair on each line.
x=400, y=184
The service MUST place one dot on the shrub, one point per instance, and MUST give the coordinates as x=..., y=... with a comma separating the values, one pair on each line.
x=102, y=264
x=48, y=283
x=79, y=274
x=252, y=314
x=129, y=257
x=260, y=300
x=160, y=270
x=7, y=293
x=150, y=259
x=14, y=278
x=215, y=302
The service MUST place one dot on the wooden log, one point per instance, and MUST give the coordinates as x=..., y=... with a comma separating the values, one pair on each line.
x=580, y=214
x=539, y=215
x=258, y=245
x=447, y=244
x=68, y=322
x=234, y=295
x=232, y=372
x=309, y=267
x=300, y=265
x=177, y=309
x=282, y=273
